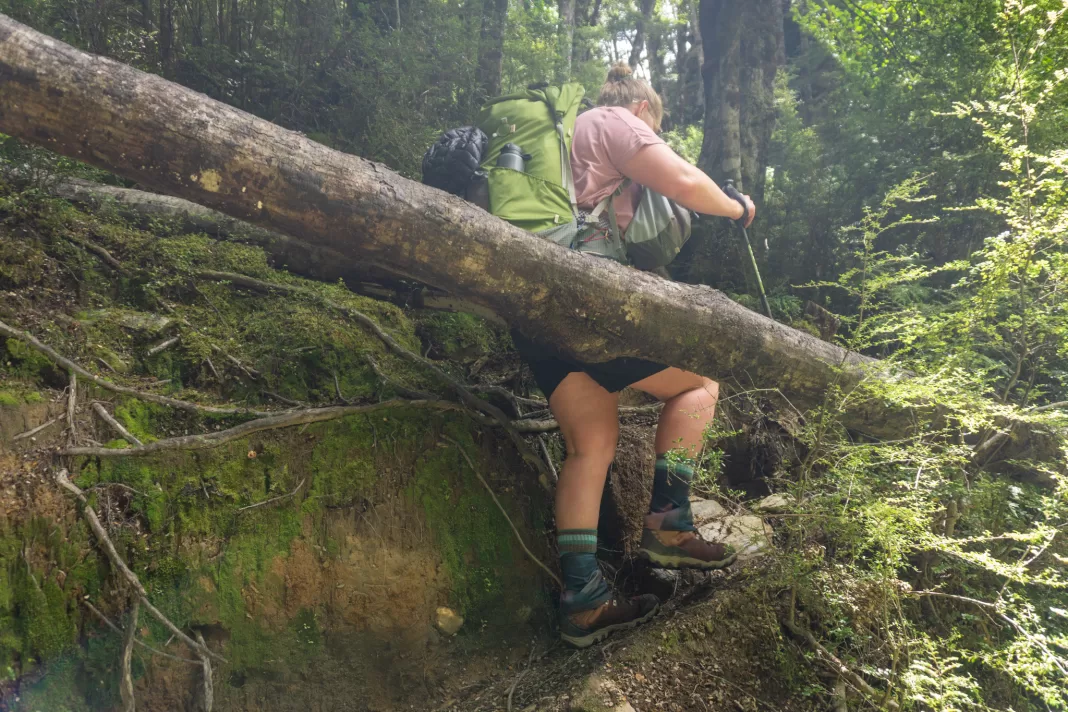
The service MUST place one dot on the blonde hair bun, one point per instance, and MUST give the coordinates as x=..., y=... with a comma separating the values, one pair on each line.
x=619, y=72
x=621, y=88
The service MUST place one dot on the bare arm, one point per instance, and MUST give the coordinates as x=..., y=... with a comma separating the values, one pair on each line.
x=661, y=169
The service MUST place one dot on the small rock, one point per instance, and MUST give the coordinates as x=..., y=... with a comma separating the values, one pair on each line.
x=747, y=533
x=448, y=621
x=775, y=503
x=705, y=509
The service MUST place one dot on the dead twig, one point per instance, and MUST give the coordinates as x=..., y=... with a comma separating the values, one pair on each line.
x=126, y=687
x=548, y=457
x=271, y=422
x=164, y=345
x=72, y=404
x=519, y=677
x=39, y=428
x=211, y=367
x=832, y=662
x=247, y=370
x=107, y=385
x=125, y=434
x=282, y=399
x=207, y=700
x=137, y=641
x=105, y=256
x=274, y=499
x=397, y=386
x=493, y=496
x=502, y=391
x=113, y=555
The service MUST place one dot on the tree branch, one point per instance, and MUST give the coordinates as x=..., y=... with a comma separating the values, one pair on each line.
x=270, y=422
x=137, y=641
x=39, y=428
x=115, y=425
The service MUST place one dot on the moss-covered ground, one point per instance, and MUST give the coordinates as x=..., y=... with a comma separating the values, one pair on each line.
x=378, y=520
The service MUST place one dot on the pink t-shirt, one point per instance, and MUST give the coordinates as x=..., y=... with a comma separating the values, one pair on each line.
x=605, y=139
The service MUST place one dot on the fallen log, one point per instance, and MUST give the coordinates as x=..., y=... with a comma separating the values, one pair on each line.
x=183, y=143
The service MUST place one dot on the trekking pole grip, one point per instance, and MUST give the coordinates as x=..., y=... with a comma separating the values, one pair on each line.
x=733, y=194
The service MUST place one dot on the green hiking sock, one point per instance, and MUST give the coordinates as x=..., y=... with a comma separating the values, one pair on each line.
x=583, y=584
x=671, y=483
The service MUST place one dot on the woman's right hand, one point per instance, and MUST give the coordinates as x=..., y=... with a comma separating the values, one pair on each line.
x=750, y=208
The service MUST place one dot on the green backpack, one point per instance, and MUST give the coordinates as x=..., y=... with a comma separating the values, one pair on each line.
x=541, y=198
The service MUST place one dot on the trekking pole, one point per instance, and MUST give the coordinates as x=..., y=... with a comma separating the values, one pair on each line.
x=733, y=193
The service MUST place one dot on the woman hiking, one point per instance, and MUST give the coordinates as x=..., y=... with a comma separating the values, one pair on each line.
x=617, y=141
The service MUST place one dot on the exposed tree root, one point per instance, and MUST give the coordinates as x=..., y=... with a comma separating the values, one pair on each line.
x=270, y=422
x=466, y=396
x=107, y=385
x=126, y=686
x=137, y=641
x=113, y=555
x=207, y=690
x=115, y=425
x=39, y=428
x=518, y=536
x=274, y=499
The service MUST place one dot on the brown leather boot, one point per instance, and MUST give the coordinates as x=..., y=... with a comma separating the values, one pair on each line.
x=584, y=628
x=684, y=550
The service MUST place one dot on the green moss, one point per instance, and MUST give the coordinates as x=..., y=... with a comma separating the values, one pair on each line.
x=142, y=418
x=9, y=399
x=460, y=336
x=26, y=363
x=474, y=540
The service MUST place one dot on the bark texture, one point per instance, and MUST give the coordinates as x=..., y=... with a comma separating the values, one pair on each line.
x=743, y=49
x=491, y=47
x=181, y=142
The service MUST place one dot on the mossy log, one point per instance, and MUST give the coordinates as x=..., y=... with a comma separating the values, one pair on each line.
x=284, y=252
x=183, y=143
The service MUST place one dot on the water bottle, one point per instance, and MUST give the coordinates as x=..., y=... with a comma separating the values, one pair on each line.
x=512, y=157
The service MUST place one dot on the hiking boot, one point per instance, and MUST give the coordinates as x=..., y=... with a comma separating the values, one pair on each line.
x=584, y=628
x=684, y=550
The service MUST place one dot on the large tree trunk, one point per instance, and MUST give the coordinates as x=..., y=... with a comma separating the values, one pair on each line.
x=491, y=47
x=743, y=49
x=179, y=141
x=566, y=9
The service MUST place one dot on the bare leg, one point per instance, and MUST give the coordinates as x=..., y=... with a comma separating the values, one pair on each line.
x=689, y=405
x=589, y=421
x=670, y=538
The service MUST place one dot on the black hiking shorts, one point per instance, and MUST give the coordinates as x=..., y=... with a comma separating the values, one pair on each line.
x=550, y=367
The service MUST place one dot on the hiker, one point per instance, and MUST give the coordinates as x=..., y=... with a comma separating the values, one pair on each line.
x=616, y=141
